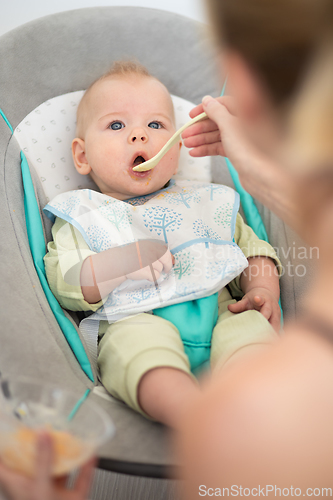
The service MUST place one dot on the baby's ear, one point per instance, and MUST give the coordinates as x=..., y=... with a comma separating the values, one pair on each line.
x=79, y=156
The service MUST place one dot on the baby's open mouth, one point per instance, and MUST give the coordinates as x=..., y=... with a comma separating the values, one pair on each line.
x=138, y=160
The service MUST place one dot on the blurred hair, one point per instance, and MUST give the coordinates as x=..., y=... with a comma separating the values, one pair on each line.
x=289, y=44
x=311, y=120
x=277, y=37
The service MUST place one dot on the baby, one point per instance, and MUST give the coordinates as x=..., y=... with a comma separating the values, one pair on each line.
x=159, y=262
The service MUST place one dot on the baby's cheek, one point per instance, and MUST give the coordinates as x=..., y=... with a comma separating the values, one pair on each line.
x=173, y=159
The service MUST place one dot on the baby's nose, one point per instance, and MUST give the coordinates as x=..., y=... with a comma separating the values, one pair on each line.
x=138, y=135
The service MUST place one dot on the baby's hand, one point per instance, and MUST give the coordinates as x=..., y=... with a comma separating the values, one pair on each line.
x=262, y=300
x=152, y=271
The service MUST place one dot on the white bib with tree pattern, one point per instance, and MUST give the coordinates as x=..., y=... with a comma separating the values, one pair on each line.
x=196, y=221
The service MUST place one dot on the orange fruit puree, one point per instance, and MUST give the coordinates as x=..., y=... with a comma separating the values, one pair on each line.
x=20, y=452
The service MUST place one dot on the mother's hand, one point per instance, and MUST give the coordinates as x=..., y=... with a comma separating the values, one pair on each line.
x=205, y=137
x=223, y=135
x=43, y=486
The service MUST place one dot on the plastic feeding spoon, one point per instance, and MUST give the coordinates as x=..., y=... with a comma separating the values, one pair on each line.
x=148, y=165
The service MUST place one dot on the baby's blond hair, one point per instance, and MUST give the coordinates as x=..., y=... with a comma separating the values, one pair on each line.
x=126, y=68
x=123, y=68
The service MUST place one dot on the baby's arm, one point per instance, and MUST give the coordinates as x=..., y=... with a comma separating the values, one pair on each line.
x=260, y=279
x=103, y=272
x=260, y=284
x=68, y=266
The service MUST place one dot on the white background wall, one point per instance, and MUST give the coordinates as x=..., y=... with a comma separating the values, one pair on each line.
x=16, y=12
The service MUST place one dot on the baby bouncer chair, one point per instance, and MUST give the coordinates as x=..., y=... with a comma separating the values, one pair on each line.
x=45, y=66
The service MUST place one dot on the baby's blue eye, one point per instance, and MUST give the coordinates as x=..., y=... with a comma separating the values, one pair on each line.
x=155, y=125
x=116, y=125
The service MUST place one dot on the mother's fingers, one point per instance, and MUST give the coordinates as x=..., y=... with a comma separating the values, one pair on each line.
x=44, y=461
x=11, y=482
x=215, y=136
x=39, y=487
x=227, y=101
x=202, y=139
x=84, y=479
x=210, y=140
x=217, y=112
x=200, y=128
x=208, y=150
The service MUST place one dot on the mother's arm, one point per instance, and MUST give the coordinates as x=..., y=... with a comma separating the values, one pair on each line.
x=266, y=420
x=268, y=182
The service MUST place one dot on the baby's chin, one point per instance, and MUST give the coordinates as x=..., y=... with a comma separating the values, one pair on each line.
x=146, y=185
x=145, y=191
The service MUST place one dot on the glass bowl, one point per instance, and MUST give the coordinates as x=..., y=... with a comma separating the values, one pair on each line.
x=27, y=406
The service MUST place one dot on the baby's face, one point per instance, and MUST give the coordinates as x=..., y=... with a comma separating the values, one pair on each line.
x=128, y=120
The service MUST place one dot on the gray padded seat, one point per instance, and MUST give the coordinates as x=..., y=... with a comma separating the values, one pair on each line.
x=56, y=55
